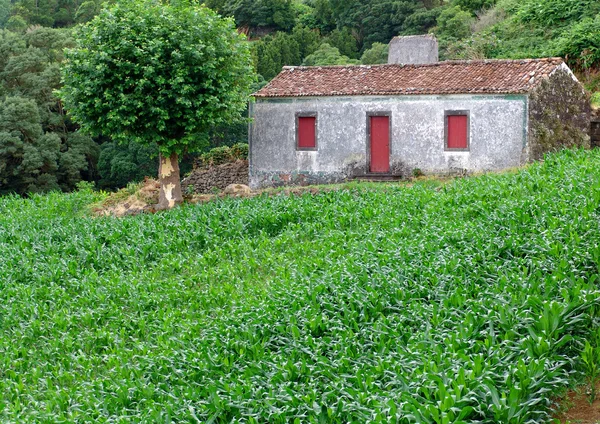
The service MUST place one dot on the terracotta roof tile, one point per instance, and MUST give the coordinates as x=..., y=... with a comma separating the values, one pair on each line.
x=452, y=77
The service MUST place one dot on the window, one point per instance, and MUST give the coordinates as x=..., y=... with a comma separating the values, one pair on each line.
x=306, y=131
x=456, y=130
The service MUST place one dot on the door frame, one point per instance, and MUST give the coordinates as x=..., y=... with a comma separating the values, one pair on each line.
x=387, y=113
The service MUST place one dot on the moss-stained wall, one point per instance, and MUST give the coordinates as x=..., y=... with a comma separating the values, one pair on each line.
x=559, y=115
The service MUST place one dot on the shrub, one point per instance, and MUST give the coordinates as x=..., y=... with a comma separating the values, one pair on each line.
x=223, y=154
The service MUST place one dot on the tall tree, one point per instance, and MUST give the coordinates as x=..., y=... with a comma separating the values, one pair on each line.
x=158, y=73
x=40, y=148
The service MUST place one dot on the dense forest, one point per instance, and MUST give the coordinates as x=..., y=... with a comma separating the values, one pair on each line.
x=41, y=149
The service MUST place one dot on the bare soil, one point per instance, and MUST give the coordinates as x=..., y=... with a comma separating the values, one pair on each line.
x=577, y=408
x=144, y=197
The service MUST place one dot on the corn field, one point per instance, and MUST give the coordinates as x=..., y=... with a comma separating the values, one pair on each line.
x=470, y=301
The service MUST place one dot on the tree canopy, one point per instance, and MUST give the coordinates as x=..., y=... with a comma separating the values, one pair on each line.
x=39, y=147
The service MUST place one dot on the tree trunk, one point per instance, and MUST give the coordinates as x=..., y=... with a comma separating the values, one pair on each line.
x=170, y=184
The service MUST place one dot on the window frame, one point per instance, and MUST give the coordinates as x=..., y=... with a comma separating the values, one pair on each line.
x=297, y=131
x=448, y=113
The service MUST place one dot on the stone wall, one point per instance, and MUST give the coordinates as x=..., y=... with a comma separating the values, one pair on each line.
x=559, y=115
x=595, y=132
x=216, y=178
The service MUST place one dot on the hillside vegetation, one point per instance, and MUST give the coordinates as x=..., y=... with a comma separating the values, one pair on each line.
x=470, y=301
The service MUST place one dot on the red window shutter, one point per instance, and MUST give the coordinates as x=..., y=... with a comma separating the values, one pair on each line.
x=307, y=132
x=457, y=132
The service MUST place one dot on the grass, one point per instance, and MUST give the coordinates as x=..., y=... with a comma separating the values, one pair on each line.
x=465, y=302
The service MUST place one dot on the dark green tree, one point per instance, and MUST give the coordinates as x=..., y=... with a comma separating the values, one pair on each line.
x=344, y=41
x=454, y=24
x=119, y=164
x=158, y=73
x=40, y=148
x=282, y=49
x=328, y=55
x=276, y=14
x=378, y=53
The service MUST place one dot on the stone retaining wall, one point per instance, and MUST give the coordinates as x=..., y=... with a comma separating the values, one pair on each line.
x=216, y=178
x=595, y=133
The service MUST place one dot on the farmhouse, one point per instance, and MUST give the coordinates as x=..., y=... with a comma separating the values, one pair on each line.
x=331, y=123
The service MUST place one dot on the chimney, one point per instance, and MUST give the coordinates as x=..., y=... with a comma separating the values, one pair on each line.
x=413, y=50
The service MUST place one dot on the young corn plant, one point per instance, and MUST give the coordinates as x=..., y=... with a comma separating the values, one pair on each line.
x=472, y=301
x=590, y=357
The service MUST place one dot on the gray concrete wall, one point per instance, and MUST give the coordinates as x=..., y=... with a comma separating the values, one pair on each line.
x=498, y=127
x=413, y=49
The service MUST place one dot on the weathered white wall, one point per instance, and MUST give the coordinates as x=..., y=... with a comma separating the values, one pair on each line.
x=497, y=136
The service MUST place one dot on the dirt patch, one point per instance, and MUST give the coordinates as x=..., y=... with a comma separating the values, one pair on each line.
x=576, y=408
x=142, y=197
x=131, y=200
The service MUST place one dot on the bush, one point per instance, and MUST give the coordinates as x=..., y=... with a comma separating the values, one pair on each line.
x=378, y=53
x=328, y=55
x=454, y=23
x=223, y=154
x=581, y=43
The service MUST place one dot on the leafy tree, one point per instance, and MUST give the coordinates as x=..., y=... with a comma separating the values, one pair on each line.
x=16, y=23
x=119, y=164
x=281, y=49
x=5, y=7
x=86, y=11
x=158, y=73
x=378, y=53
x=277, y=14
x=40, y=149
x=28, y=157
x=454, y=23
x=328, y=55
x=323, y=16
x=421, y=21
x=344, y=41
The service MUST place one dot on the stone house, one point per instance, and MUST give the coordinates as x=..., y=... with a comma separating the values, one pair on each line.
x=326, y=124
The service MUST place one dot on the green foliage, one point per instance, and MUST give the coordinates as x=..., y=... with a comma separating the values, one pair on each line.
x=281, y=49
x=129, y=162
x=224, y=154
x=580, y=43
x=277, y=14
x=454, y=23
x=595, y=99
x=328, y=55
x=590, y=359
x=378, y=53
x=344, y=41
x=40, y=149
x=555, y=12
x=16, y=23
x=531, y=28
x=323, y=16
x=157, y=73
x=465, y=302
x=4, y=12
x=474, y=6
x=421, y=21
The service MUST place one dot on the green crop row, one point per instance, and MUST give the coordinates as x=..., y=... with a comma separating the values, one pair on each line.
x=465, y=302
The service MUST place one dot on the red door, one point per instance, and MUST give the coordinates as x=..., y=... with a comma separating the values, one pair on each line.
x=380, y=144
